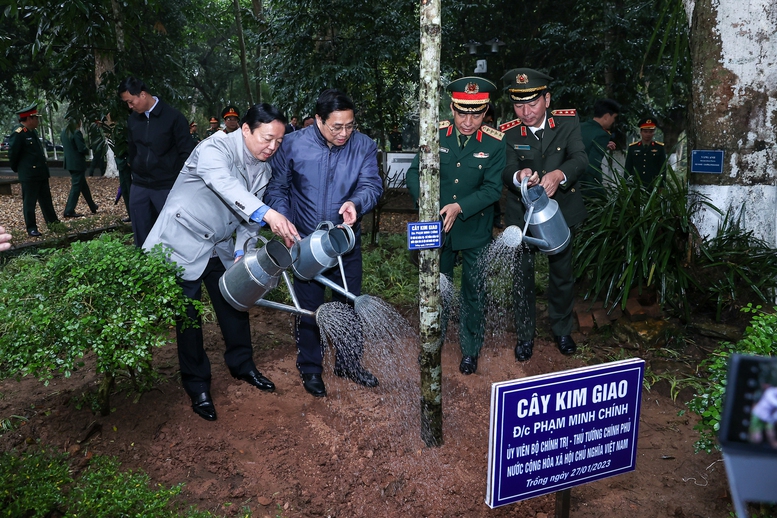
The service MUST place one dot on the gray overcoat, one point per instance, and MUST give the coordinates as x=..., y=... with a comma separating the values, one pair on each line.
x=218, y=189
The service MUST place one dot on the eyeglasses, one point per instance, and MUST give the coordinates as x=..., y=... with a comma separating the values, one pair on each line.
x=348, y=128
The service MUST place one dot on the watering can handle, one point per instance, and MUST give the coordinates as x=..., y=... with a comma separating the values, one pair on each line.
x=350, y=236
x=256, y=238
x=328, y=224
x=524, y=192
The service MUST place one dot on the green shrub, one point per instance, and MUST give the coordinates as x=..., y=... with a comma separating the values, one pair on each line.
x=760, y=339
x=641, y=237
x=37, y=483
x=388, y=272
x=638, y=236
x=736, y=266
x=101, y=296
x=32, y=484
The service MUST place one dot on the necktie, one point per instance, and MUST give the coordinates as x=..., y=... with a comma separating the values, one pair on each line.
x=462, y=141
x=539, y=133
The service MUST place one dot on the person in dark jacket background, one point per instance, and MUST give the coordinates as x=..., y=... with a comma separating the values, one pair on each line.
x=158, y=143
x=75, y=150
x=326, y=172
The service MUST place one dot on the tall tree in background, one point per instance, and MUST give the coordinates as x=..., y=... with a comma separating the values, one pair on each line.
x=369, y=50
x=734, y=48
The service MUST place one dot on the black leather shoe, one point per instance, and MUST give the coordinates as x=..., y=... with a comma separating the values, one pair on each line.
x=73, y=215
x=566, y=345
x=523, y=350
x=468, y=365
x=358, y=375
x=202, y=405
x=94, y=210
x=256, y=379
x=33, y=233
x=314, y=385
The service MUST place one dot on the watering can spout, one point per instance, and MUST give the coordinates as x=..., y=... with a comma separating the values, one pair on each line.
x=513, y=236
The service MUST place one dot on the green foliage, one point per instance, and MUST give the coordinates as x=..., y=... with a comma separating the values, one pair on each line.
x=101, y=296
x=367, y=49
x=760, y=339
x=735, y=266
x=388, y=272
x=38, y=483
x=637, y=236
x=32, y=484
x=644, y=238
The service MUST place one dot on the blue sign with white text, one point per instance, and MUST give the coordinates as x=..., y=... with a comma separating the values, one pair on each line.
x=555, y=431
x=423, y=235
x=707, y=161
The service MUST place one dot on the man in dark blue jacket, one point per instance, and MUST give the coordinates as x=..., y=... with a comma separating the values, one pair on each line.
x=158, y=144
x=326, y=172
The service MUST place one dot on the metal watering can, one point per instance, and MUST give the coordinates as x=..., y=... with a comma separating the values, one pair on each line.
x=248, y=280
x=314, y=255
x=321, y=250
x=544, y=219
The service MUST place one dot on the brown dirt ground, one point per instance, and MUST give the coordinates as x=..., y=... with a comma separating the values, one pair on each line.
x=357, y=452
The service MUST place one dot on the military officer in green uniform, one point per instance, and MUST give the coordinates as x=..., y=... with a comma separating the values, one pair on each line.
x=28, y=159
x=213, y=127
x=75, y=151
x=544, y=146
x=472, y=157
x=646, y=158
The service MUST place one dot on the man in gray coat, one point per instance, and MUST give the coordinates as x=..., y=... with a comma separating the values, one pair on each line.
x=219, y=191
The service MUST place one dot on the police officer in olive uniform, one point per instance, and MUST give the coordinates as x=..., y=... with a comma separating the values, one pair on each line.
x=28, y=159
x=231, y=119
x=472, y=157
x=544, y=146
x=646, y=158
x=214, y=127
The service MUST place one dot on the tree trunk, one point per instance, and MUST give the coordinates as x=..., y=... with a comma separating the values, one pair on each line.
x=104, y=394
x=429, y=201
x=733, y=107
x=259, y=15
x=243, y=63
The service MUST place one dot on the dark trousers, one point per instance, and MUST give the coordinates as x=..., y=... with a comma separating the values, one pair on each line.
x=78, y=186
x=98, y=164
x=144, y=209
x=37, y=192
x=235, y=328
x=471, y=322
x=561, y=292
x=310, y=294
x=125, y=184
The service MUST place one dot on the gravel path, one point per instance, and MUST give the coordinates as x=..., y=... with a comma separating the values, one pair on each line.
x=103, y=192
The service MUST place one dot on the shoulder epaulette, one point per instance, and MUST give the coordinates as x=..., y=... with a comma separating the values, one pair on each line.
x=564, y=113
x=659, y=143
x=635, y=143
x=444, y=124
x=20, y=129
x=510, y=124
x=491, y=132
